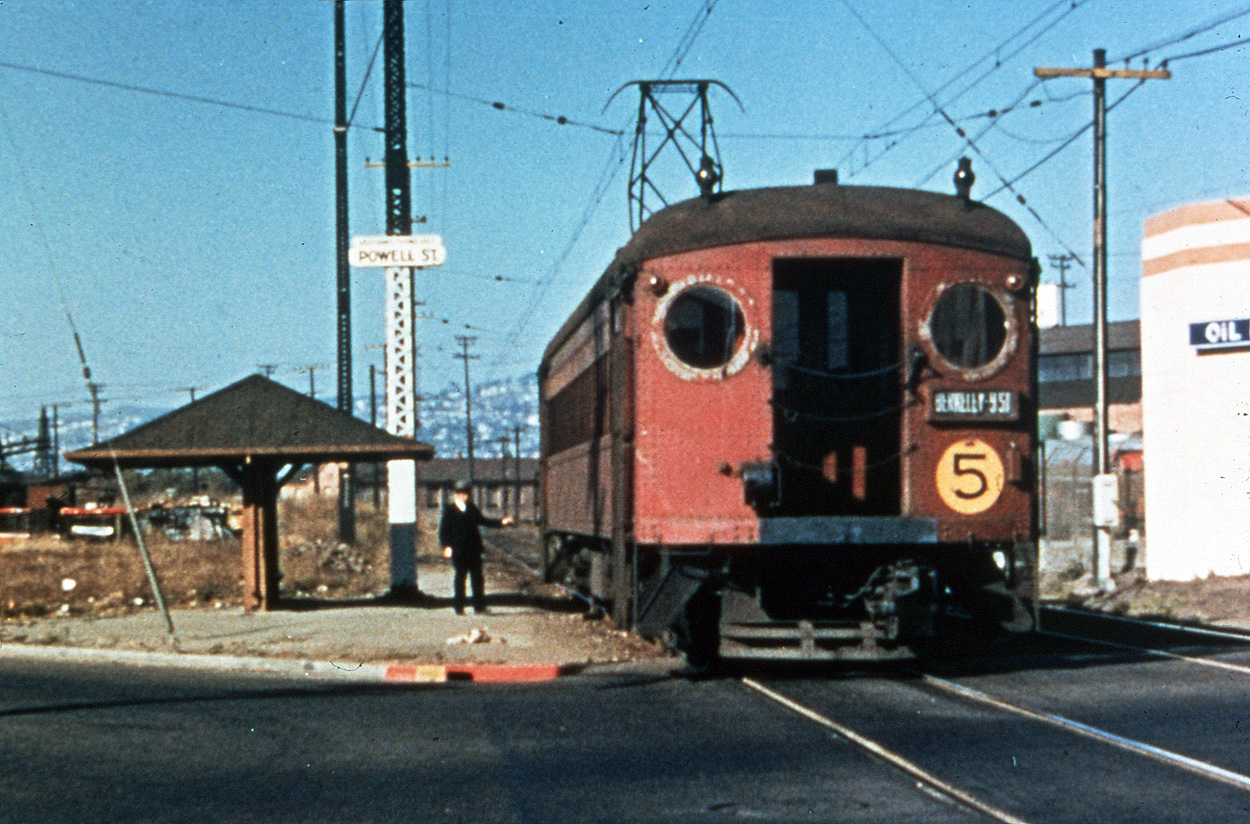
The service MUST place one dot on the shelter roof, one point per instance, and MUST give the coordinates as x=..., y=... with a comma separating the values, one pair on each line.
x=254, y=419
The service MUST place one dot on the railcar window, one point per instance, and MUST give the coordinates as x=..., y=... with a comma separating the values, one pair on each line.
x=704, y=326
x=787, y=330
x=837, y=331
x=968, y=326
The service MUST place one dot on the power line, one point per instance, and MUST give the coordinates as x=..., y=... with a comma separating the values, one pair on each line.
x=1202, y=52
x=1201, y=28
x=1007, y=184
x=999, y=60
x=615, y=160
x=497, y=105
x=191, y=98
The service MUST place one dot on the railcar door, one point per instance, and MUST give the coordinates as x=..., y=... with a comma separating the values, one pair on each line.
x=837, y=388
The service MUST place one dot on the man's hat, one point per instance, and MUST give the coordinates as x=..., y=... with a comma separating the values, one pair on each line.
x=463, y=486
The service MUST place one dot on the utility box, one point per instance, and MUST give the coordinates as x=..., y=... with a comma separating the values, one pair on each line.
x=1106, y=501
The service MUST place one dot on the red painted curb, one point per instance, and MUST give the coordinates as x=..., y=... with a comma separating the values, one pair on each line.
x=500, y=673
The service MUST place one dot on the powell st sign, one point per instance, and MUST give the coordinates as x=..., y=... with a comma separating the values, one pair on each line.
x=391, y=251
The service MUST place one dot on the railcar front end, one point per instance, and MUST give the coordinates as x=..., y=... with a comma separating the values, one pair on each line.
x=799, y=422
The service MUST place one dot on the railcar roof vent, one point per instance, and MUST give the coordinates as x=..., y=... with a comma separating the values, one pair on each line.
x=825, y=176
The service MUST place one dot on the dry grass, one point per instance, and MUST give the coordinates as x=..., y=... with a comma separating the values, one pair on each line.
x=47, y=575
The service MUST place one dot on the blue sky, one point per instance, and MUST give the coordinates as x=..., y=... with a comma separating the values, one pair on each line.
x=193, y=240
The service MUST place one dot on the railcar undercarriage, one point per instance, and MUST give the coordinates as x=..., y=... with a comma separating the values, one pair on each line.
x=814, y=604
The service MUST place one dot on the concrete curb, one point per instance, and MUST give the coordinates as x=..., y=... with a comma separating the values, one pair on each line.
x=293, y=667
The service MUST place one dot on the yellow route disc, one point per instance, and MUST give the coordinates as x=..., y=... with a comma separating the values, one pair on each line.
x=970, y=476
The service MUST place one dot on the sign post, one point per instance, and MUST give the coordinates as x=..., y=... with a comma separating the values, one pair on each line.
x=400, y=255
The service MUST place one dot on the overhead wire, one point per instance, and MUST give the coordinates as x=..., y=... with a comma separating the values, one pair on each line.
x=191, y=98
x=1201, y=28
x=612, y=167
x=1007, y=184
x=360, y=93
x=504, y=107
x=996, y=54
x=1189, y=34
x=970, y=142
x=1202, y=52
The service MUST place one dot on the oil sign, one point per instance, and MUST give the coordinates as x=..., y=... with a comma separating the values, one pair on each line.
x=1220, y=334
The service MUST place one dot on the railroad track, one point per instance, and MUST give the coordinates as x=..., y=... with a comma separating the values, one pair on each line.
x=1089, y=747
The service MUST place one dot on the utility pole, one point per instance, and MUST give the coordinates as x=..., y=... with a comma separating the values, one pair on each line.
x=401, y=394
x=56, y=441
x=503, y=471
x=195, y=470
x=465, y=342
x=1105, y=512
x=343, y=283
x=373, y=421
x=94, y=388
x=1062, y=262
x=312, y=381
x=312, y=393
x=43, y=447
x=516, y=474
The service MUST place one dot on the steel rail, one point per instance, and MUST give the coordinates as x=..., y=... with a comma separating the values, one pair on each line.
x=1191, y=659
x=895, y=760
x=539, y=575
x=1215, y=633
x=1159, y=754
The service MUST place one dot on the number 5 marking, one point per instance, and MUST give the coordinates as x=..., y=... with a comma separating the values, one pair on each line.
x=960, y=469
x=969, y=476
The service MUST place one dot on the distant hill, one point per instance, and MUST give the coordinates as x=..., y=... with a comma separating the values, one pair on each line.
x=498, y=407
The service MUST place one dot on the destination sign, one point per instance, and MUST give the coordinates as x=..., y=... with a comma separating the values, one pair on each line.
x=396, y=251
x=974, y=405
x=1220, y=334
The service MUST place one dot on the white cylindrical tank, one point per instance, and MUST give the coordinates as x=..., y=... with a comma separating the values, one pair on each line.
x=1195, y=304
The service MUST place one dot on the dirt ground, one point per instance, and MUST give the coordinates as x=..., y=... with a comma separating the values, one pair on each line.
x=49, y=576
x=1066, y=580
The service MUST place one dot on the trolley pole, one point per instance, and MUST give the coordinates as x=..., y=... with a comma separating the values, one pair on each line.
x=1106, y=515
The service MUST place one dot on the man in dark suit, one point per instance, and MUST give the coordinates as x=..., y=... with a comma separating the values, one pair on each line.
x=461, y=540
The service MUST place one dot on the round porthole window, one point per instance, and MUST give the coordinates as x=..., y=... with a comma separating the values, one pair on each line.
x=969, y=327
x=704, y=327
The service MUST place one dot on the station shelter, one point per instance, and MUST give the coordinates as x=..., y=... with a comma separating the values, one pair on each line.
x=260, y=433
x=1195, y=353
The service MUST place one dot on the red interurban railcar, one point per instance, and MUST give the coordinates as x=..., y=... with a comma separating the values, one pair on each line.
x=799, y=422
